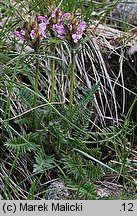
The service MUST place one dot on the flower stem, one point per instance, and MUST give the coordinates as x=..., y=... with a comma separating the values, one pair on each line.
x=36, y=90
x=52, y=73
x=72, y=77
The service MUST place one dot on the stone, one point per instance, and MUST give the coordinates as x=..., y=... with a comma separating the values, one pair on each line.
x=126, y=11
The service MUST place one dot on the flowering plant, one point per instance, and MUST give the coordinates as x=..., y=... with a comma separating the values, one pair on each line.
x=62, y=25
x=33, y=32
x=57, y=24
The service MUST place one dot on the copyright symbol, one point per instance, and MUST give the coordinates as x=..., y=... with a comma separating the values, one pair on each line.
x=9, y=208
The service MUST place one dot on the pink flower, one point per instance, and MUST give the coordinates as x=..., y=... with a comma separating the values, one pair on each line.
x=60, y=30
x=66, y=15
x=32, y=34
x=20, y=34
x=62, y=16
x=81, y=26
x=42, y=36
x=60, y=13
x=17, y=33
x=42, y=27
x=76, y=37
x=42, y=18
x=59, y=21
x=41, y=31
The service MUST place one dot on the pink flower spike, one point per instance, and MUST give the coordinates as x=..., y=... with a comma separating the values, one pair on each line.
x=81, y=26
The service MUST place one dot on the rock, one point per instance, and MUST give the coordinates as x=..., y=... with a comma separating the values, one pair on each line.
x=109, y=189
x=125, y=11
x=58, y=191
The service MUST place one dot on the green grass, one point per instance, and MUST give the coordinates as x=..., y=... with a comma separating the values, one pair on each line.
x=63, y=112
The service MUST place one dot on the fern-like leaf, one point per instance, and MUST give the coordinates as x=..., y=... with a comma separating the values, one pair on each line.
x=43, y=163
x=21, y=144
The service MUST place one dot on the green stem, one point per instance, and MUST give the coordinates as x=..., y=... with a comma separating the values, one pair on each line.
x=52, y=73
x=72, y=77
x=36, y=90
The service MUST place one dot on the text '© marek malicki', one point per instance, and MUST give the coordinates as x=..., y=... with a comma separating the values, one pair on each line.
x=54, y=207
